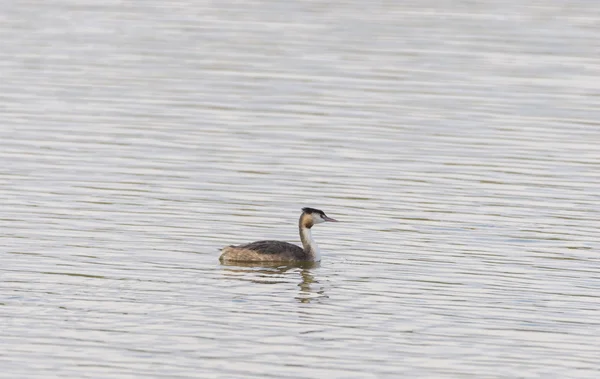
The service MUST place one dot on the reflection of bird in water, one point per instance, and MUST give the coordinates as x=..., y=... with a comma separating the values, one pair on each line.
x=273, y=273
x=307, y=293
x=279, y=251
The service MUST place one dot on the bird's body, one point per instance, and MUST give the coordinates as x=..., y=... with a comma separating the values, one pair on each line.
x=275, y=251
x=267, y=251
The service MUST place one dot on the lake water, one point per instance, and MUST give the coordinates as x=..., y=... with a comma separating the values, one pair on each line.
x=457, y=142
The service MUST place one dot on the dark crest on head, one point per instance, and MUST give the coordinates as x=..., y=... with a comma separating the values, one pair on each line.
x=313, y=210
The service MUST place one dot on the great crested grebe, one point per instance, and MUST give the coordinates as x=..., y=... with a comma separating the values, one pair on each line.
x=274, y=251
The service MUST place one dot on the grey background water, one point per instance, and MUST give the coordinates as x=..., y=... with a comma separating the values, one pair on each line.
x=458, y=143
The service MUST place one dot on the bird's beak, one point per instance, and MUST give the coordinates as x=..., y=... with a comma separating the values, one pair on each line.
x=329, y=219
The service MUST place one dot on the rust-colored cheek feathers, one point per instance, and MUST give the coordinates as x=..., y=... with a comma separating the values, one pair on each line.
x=307, y=221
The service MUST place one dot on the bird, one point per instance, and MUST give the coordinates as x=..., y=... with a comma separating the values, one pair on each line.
x=280, y=251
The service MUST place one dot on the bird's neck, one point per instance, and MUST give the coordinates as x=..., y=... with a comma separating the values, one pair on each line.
x=309, y=244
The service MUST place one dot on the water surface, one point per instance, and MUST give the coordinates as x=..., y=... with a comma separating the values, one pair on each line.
x=457, y=143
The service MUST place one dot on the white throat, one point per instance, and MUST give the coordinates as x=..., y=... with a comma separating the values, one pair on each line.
x=308, y=241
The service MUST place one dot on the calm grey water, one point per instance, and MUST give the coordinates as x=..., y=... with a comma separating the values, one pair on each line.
x=458, y=142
